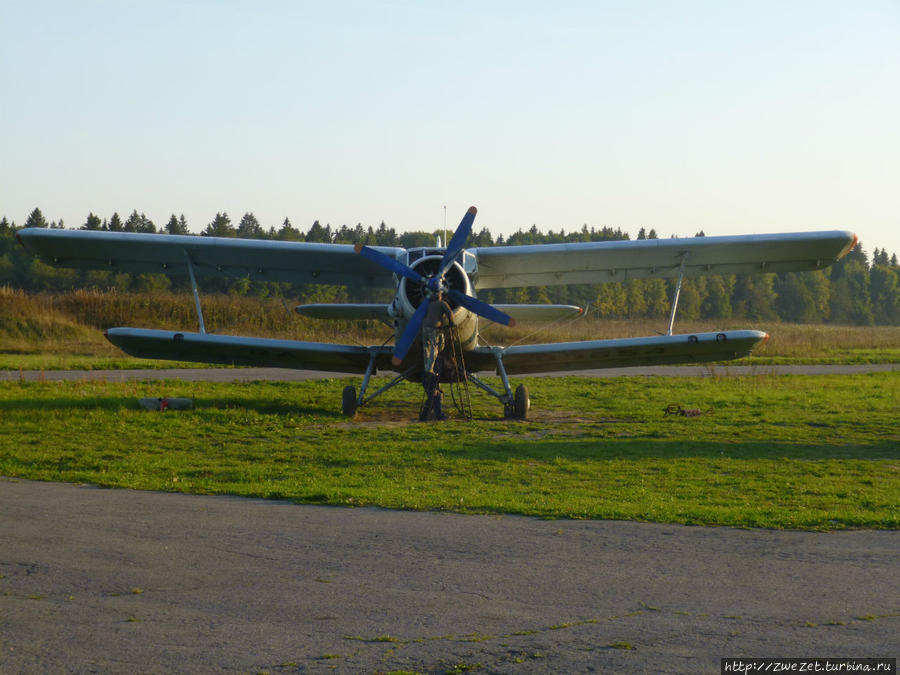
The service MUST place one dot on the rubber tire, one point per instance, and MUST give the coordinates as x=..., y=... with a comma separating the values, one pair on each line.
x=523, y=403
x=348, y=401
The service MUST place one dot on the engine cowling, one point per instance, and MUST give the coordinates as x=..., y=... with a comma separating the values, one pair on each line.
x=411, y=294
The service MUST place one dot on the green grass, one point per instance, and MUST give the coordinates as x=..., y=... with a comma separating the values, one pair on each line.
x=773, y=451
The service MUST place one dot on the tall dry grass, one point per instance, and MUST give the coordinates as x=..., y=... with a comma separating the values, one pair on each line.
x=74, y=322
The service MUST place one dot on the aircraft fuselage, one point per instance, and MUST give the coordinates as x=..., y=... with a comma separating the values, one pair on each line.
x=426, y=261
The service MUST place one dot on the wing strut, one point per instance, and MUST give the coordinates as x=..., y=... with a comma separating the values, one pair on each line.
x=365, y=383
x=677, y=294
x=190, y=266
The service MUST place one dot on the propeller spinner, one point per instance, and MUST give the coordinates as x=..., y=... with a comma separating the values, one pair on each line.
x=433, y=283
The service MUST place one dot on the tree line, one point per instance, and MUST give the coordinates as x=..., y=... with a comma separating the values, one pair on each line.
x=855, y=290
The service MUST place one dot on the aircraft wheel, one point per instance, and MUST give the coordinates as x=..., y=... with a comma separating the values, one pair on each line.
x=348, y=401
x=523, y=403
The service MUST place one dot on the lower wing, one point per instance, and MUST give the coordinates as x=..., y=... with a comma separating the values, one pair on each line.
x=247, y=351
x=517, y=360
x=619, y=353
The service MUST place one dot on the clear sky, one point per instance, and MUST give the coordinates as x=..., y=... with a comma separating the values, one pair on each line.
x=730, y=117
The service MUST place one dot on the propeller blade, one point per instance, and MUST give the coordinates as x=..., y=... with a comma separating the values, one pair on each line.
x=481, y=308
x=390, y=263
x=458, y=240
x=409, y=335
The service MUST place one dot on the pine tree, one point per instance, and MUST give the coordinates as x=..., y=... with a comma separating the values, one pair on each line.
x=36, y=219
x=139, y=223
x=318, y=234
x=249, y=228
x=483, y=238
x=92, y=223
x=220, y=227
x=288, y=232
x=385, y=236
x=177, y=225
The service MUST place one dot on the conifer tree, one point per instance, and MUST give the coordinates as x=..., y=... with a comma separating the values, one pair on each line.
x=249, y=228
x=36, y=219
x=92, y=223
x=177, y=225
x=220, y=227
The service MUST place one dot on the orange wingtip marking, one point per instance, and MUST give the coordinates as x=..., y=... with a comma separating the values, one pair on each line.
x=850, y=247
x=766, y=338
x=512, y=322
x=473, y=210
x=357, y=247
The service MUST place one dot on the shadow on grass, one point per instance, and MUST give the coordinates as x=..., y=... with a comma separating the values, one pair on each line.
x=639, y=449
x=261, y=406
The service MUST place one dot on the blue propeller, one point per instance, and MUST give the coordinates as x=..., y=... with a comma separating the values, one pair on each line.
x=390, y=263
x=457, y=241
x=435, y=283
x=409, y=335
x=481, y=308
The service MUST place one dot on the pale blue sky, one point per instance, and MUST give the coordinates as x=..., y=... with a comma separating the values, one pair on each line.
x=731, y=117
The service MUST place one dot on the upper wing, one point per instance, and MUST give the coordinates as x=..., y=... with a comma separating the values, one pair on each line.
x=264, y=260
x=602, y=261
x=642, y=351
x=247, y=351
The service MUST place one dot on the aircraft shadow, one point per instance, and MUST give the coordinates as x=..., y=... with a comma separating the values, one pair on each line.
x=262, y=406
x=586, y=449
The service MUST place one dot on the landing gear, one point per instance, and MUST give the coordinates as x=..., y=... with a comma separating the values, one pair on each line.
x=348, y=401
x=522, y=403
x=517, y=407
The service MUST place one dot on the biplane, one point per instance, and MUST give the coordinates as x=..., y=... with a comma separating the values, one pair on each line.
x=415, y=274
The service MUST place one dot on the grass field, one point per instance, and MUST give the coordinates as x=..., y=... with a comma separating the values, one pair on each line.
x=802, y=452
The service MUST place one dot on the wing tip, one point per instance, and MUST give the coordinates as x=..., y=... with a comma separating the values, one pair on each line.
x=472, y=210
x=358, y=248
x=850, y=246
